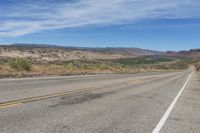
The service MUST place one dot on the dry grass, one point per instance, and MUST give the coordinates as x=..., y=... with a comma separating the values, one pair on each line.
x=53, y=69
x=92, y=67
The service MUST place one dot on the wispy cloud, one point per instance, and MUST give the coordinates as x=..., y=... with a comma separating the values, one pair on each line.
x=19, y=18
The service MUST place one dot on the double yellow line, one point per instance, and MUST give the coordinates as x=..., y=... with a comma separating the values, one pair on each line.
x=38, y=98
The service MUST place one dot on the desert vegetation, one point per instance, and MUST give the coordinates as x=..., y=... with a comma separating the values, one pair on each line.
x=34, y=60
x=26, y=67
x=20, y=64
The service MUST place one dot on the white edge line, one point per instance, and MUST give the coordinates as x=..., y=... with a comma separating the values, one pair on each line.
x=167, y=113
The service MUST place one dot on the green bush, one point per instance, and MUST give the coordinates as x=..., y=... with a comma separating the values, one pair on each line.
x=20, y=64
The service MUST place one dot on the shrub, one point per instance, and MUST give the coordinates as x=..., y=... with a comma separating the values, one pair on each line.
x=20, y=64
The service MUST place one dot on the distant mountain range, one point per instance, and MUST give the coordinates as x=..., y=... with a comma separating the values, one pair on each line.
x=193, y=53
x=121, y=50
x=44, y=52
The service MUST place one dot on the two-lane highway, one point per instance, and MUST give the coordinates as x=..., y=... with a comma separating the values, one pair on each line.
x=112, y=103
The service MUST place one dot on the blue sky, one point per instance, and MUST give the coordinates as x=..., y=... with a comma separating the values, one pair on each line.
x=153, y=24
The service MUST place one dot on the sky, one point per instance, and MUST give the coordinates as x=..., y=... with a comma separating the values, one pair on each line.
x=150, y=24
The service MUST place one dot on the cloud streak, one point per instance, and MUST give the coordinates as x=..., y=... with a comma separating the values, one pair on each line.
x=19, y=18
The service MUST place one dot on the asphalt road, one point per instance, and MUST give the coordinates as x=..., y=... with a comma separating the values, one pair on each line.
x=113, y=103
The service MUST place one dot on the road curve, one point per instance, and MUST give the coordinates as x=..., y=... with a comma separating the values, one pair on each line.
x=114, y=103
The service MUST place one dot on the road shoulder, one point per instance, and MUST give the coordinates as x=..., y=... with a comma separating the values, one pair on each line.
x=185, y=117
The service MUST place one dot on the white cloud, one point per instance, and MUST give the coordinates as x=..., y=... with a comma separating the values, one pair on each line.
x=25, y=18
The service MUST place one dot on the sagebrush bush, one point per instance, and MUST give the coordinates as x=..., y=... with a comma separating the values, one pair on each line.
x=20, y=64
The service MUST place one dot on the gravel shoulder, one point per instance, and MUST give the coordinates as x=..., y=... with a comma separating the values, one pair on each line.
x=185, y=117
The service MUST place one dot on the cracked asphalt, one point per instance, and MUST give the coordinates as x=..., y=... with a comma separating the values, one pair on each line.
x=121, y=103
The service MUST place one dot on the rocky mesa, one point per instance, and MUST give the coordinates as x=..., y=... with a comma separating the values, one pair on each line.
x=58, y=53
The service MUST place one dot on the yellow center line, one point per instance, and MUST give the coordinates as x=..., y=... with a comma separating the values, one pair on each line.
x=9, y=106
x=135, y=81
x=32, y=99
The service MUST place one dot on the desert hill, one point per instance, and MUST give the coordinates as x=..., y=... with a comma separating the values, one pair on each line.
x=62, y=53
